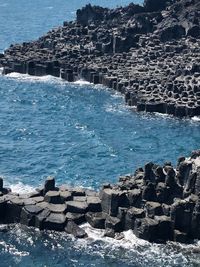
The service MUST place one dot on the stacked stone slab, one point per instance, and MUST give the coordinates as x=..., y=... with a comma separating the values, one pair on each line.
x=148, y=53
x=158, y=203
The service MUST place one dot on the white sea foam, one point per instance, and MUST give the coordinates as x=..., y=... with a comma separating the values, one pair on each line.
x=196, y=118
x=27, y=77
x=12, y=249
x=21, y=188
x=159, y=252
x=129, y=241
x=116, y=108
x=46, y=78
x=81, y=82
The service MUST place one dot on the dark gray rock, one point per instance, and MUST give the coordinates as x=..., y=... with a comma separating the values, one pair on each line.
x=75, y=230
x=77, y=207
x=94, y=203
x=146, y=229
x=180, y=237
x=135, y=197
x=55, y=221
x=96, y=219
x=75, y=217
x=53, y=197
x=49, y=185
x=131, y=215
x=165, y=229
x=113, y=223
x=40, y=219
x=55, y=208
x=149, y=193
x=110, y=201
x=153, y=209
x=29, y=213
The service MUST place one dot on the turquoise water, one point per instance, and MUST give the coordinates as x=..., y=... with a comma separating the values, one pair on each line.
x=83, y=135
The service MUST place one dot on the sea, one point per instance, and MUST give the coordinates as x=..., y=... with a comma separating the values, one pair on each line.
x=83, y=135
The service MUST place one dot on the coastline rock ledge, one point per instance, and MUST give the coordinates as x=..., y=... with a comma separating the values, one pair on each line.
x=149, y=53
x=158, y=203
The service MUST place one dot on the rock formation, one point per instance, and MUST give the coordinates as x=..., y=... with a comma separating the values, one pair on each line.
x=148, y=53
x=158, y=203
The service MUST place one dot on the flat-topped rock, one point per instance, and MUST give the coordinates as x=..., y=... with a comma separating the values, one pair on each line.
x=154, y=65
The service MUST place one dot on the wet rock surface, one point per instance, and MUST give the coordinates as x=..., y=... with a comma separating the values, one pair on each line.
x=158, y=203
x=148, y=53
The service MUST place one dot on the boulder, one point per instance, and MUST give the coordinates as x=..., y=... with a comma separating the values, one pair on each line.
x=65, y=196
x=173, y=32
x=131, y=215
x=96, y=219
x=184, y=169
x=77, y=206
x=49, y=184
x=165, y=229
x=55, y=208
x=110, y=201
x=149, y=193
x=109, y=233
x=135, y=197
x=40, y=219
x=162, y=192
x=75, y=217
x=13, y=210
x=55, y=221
x=28, y=214
x=73, y=229
x=149, y=174
x=89, y=14
x=53, y=197
x=180, y=237
x=113, y=223
x=94, y=203
x=197, y=182
x=3, y=208
x=146, y=228
x=153, y=209
x=77, y=191
x=1, y=183
x=194, y=31
x=181, y=215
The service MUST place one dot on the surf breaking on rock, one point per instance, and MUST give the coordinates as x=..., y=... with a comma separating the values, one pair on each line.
x=158, y=203
x=148, y=53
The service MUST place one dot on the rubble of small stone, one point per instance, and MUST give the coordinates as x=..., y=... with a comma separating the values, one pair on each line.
x=149, y=53
x=158, y=203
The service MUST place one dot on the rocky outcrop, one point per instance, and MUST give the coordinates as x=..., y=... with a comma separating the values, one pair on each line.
x=148, y=53
x=158, y=203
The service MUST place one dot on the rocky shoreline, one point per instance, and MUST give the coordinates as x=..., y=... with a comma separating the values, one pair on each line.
x=148, y=53
x=151, y=54
x=159, y=203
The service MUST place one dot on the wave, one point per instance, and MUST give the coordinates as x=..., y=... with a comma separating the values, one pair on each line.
x=19, y=187
x=129, y=241
x=81, y=82
x=172, y=253
x=196, y=118
x=30, y=78
x=46, y=78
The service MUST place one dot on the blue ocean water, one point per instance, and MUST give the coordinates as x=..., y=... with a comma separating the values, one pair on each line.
x=83, y=135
